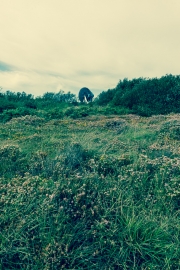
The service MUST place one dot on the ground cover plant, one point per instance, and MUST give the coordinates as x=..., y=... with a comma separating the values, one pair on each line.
x=90, y=192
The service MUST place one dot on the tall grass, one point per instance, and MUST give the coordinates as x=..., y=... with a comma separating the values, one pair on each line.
x=101, y=193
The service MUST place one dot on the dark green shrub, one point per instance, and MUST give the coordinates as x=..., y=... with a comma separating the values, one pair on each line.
x=77, y=112
x=9, y=114
x=145, y=96
x=59, y=97
x=11, y=96
x=124, y=93
x=30, y=104
x=142, y=110
x=117, y=110
x=105, y=97
x=55, y=113
x=6, y=105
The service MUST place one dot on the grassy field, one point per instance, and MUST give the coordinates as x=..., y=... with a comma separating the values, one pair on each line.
x=100, y=192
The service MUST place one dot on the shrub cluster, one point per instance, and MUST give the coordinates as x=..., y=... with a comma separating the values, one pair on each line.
x=50, y=105
x=145, y=96
x=142, y=96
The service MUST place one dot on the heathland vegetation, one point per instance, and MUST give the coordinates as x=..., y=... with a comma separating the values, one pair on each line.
x=91, y=186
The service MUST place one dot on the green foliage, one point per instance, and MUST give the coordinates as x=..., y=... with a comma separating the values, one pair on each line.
x=50, y=105
x=140, y=96
x=6, y=105
x=72, y=157
x=15, y=104
x=15, y=97
x=109, y=110
x=145, y=96
x=80, y=190
x=172, y=129
x=105, y=97
x=9, y=114
x=30, y=104
x=54, y=113
x=77, y=112
x=92, y=193
x=59, y=97
x=75, y=156
x=12, y=161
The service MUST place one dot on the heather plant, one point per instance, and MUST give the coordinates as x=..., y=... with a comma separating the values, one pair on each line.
x=12, y=161
x=172, y=128
x=118, y=125
x=77, y=223
x=71, y=158
x=97, y=192
x=31, y=120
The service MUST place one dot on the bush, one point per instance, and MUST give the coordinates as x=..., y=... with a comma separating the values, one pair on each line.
x=145, y=96
x=30, y=104
x=55, y=113
x=105, y=97
x=6, y=105
x=77, y=112
x=9, y=114
x=59, y=97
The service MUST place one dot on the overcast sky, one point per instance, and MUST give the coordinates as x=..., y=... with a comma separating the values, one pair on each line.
x=52, y=45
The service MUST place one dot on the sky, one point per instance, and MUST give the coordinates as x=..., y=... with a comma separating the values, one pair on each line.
x=53, y=45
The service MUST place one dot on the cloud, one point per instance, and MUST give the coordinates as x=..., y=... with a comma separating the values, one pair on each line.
x=53, y=45
x=5, y=67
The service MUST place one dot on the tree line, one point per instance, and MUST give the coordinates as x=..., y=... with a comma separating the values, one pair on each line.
x=142, y=96
x=145, y=96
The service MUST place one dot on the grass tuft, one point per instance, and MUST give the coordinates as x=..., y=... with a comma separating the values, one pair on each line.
x=94, y=193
